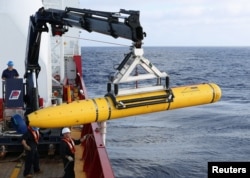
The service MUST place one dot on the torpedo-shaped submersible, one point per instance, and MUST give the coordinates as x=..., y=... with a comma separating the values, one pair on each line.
x=110, y=107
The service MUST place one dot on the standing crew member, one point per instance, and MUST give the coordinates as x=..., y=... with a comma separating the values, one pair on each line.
x=67, y=151
x=30, y=141
x=10, y=72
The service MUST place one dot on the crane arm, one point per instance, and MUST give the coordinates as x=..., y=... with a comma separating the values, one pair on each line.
x=124, y=24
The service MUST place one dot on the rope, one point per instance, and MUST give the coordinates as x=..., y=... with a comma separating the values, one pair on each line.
x=87, y=140
x=15, y=159
x=118, y=44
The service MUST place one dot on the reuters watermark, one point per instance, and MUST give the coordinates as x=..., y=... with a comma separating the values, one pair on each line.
x=228, y=169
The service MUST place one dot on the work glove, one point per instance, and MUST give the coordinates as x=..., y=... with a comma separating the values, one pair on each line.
x=27, y=148
x=70, y=158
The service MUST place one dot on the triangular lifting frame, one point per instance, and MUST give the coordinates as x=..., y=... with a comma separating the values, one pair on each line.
x=124, y=73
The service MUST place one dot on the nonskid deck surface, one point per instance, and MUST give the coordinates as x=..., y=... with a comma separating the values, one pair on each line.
x=12, y=165
x=12, y=168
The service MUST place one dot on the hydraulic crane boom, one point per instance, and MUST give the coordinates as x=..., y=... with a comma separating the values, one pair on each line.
x=124, y=24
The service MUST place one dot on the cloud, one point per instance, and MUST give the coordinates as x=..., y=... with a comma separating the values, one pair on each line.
x=188, y=22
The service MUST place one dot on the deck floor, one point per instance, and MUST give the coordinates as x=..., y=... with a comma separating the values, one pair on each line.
x=51, y=167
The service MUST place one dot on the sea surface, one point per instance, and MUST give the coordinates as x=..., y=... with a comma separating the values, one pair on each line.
x=178, y=143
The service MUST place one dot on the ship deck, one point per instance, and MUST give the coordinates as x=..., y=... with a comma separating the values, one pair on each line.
x=12, y=165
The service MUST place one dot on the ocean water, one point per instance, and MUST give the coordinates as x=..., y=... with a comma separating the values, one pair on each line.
x=178, y=143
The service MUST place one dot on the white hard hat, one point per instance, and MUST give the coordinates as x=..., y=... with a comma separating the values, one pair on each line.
x=65, y=130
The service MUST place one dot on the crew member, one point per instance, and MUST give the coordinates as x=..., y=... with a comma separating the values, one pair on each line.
x=10, y=72
x=30, y=142
x=67, y=151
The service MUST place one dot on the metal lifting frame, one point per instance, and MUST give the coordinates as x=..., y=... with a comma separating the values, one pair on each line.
x=128, y=65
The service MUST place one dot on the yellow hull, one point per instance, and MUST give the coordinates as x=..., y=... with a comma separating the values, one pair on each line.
x=102, y=109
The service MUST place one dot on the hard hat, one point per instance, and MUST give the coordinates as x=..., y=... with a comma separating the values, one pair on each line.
x=10, y=63
x=35, y=128
x=65, y=130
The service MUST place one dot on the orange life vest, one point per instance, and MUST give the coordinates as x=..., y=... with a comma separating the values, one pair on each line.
x=71, y=144
x=35, y=134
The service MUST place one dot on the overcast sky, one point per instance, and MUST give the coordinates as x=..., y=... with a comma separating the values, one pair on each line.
x=182, y=22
